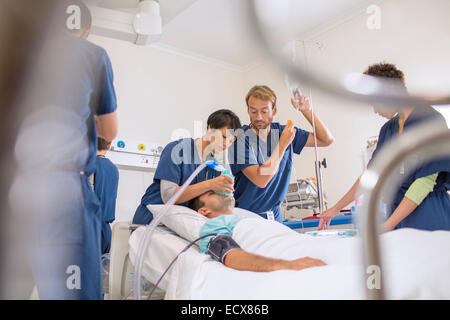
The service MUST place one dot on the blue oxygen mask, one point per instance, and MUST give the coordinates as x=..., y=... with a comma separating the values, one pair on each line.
x=218, y=167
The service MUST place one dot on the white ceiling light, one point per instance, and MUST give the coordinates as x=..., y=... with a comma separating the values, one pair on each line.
x=148, y=23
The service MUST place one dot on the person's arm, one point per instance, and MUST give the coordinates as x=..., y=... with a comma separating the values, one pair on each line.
x=107, y=126
x=105, y=110
x=414, y=196
x=223, y=182
x=323, y=135
x=239, y=259
x=223, y=248
x=263, y=174
x=348, y=198
x=403, y=210
x=167, y=189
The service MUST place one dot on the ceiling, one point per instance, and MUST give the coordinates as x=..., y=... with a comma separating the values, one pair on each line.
x=220, y=30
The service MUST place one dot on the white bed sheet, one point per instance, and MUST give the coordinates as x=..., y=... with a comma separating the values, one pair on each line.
x=164, y=247
x=416, y=266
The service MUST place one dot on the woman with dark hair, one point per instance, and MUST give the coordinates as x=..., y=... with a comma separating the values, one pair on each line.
x=182, y=157
x=422, y=200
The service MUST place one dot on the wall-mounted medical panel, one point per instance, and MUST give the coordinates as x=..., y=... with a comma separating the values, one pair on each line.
x=135, y=154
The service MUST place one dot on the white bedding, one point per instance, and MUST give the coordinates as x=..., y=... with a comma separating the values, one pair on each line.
x=164, y=247
x=416, y=265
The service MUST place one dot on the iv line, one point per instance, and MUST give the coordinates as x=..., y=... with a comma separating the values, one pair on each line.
x=317, y=163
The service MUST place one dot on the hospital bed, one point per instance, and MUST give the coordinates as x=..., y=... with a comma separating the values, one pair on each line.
x=414, y=265
x=120, y=271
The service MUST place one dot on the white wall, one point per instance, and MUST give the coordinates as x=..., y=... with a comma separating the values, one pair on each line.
x=157, y=93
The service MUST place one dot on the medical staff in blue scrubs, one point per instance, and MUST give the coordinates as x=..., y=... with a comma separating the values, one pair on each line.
x=261, y=159
x=78, y=100
x=106, y=182
x=182, y=157
x=422, y=200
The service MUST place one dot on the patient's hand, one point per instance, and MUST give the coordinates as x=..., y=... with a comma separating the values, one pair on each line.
x=302, y=263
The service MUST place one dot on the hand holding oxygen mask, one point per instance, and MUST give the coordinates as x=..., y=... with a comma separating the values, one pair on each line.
x=223, y=184
x=228, y=176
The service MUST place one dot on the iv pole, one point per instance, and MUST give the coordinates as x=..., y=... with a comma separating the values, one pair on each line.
x=317, y=163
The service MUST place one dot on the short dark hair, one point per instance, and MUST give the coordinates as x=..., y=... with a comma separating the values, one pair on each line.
x=102, y=144
x=196, y=204
x=390, y=71
x=224, y=118
x=62, y=15
x=384, y=69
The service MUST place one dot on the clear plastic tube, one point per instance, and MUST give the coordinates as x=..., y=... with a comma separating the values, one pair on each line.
x=144, y=243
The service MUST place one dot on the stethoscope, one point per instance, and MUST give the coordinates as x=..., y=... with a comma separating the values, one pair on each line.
x=270, y=215
x=259, y=147
x=260, y=153
x=206, y=171
x=210, y=157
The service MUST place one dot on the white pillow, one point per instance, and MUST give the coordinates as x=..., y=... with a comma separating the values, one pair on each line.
x=186, y=222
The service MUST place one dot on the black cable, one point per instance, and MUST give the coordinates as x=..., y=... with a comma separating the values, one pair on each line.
x=173, y=261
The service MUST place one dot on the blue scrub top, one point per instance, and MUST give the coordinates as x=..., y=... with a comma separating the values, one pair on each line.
x=178, y=161
x=87, y=90
x=106, y=181
x=250, y=150
x=434, y=212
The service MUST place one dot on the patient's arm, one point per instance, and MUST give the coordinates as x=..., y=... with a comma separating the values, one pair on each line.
x=239, y=259
x=224, y=249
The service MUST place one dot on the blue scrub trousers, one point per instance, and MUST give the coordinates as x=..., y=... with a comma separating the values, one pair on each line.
x=106, y=237
x=65, y=253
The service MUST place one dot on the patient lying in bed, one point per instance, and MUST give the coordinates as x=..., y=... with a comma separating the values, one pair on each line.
x=217, y=240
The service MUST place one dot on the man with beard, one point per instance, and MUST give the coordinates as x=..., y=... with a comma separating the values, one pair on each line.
x=261, y=160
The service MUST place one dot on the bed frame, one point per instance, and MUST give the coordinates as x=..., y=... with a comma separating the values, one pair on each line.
x=120, y=284
x=119, y=262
